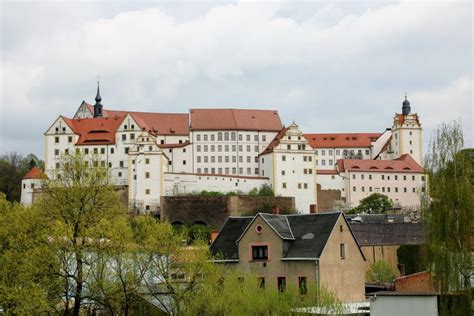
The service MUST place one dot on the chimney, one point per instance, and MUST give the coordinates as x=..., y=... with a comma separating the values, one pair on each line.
x=214, y=234
x=276, y=210
x=312, y=209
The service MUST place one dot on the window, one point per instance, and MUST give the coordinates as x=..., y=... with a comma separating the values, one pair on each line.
x=32, y=185
x=383, y=189
x=234, y=170
x=353, y=176
x=330, y=162
x=205, y=137
x=264, y=138
x=126, y=150
x=121, y=164
x=404, y=178
x=303, y=285
x=56, y=152
x=370, y=177
x=354, y=189
x=227, y=170
x=370, y=189
x=147, y=175
x=413, y=178
x=422, y=178
x=305, y=185
x=281, y=284
x=234, y=148
x=206, y=148
x=96, y=151
x=283, y=185
x=184, y=162
x=330, y=152
x=342, y=251
x=147, y=191
x=124, y=136
x=383, y=177
x=241, y=159
x=212, y=138
x=363, y=189
x=323, y=162
x=248, y=137
x=338, y=152
x=283, y=158
x=219, y=148
x=241, y=148
x=367, y=152
x=69, y=139
x=299, y=185
x=102, y=151
x=198, y=137
x=405, y=190
x=260, y=252
x=283, y=172
x=132, y=136
x=56, y=139
x=255, y=138
x=413, y=190
x=86, y=151
x=119, y=174
x=234, y=159
x=288, y=147
x=248, y=148
x=232, y=136
x=240, y=137
x=241, y=170
x=213, y=148
x=219, y=136
x=396, y=189
x=198, y=170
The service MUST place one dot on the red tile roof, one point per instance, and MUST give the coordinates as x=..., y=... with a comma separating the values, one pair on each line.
x=235, y=119
x=275, y=142
x=401, y=118
x=155, y=123
x=327, y=171
x=403, y=164
x=35, y=173
x=344, y=140
x=95, y=131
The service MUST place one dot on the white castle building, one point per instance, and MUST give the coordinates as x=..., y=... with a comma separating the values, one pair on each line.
x=163, y=154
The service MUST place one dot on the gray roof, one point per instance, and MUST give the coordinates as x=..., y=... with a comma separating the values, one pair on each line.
x=311, y=234
x=376, y=218
x=388, y=234
x=306, y=235
x=279, y=224
x=225, y=245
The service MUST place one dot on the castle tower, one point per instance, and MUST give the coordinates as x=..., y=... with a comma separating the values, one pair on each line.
x=407, y=134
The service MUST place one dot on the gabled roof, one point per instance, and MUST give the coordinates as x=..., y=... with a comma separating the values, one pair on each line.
x=388, y=234
x=95, y=131
x=35, y=173
x=306, y=234
x=156, y=123
x=235, y=119
x=275, y=142
x=405, y=163
x=225, y=244
x=341, y=140
x=311, y=233
x=401, y=118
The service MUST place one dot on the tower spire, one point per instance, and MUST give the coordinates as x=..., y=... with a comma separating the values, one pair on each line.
x=406, y=109
x=98, y=99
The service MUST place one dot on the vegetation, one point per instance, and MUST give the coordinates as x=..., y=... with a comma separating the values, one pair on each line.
x=376, y=203
x=380, y=272
x=13, y=167
x=264, y=190
x=448, y=213
x=237, y=293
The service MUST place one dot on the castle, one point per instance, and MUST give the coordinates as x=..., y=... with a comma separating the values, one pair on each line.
x=154, y=154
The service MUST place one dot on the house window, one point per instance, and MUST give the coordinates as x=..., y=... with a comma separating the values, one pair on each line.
x=121, y=164
x=353, y=176
x=124, y=136
x=281, y=284
x=413, y=178
x=370, y=177
x=283, y=172
x=69, y=139
x=260, y=252
x=198, y=137
x=283, y=185
x=340, y=228
x=303, y=285
x=56, y=152
x=383, y=177
x=184, y=162
x=119, y=174
x=147, y=175
x=112, y=150
x=126, y=150
x=264, y=138
x=283, y=158
x=86, y=151
x=305, y=185
x=147, y=191
x=56, y=139
x=147, y=161
x=354, y=188
x=342, y=251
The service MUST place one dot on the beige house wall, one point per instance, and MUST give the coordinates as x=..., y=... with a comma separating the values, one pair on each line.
x=384, y=253
x=275, y=267
x=344, y=276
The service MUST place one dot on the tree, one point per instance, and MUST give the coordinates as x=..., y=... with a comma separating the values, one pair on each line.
x=26, y=260
x=75, y=200
x=375, y=203
x=380, y=272
x=448, y=212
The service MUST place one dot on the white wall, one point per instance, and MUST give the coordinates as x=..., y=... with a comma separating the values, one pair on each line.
x=327, y=157
x=27, y=188
x=179, y=183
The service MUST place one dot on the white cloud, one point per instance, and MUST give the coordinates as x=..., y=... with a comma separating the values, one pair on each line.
x=332, y=67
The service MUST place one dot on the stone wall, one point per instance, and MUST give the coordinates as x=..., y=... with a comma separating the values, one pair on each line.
x=327, y=199
x=214, y=210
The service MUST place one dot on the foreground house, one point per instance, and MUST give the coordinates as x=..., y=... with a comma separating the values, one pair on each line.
x=301, y=250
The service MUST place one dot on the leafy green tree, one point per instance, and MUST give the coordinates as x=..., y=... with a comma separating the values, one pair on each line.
x=376, y=203
x=380, y=272
x=448, y=212
x=265, y=190
x=26, y=260
x=75, y=200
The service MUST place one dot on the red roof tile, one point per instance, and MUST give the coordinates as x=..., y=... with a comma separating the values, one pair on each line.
x=95, y=131
x=344, y=140
x=156, y=123
x=401, y=118
x=35, y=173
x=235, y=119
x=275, y=142
x=328, y=171
x=403, y=164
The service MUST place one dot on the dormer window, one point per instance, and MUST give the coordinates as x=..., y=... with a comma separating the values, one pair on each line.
x=125, y=127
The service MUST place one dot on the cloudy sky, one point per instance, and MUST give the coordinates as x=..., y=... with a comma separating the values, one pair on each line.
x=329, y=66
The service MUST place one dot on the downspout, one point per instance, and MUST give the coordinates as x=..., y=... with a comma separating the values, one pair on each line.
x=318, y=288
